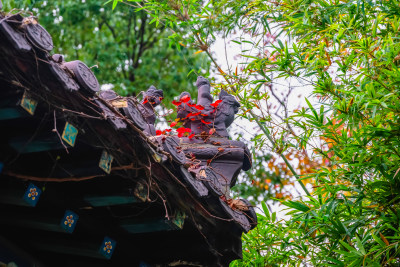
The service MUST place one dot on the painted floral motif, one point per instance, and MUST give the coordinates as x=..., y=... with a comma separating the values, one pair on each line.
x=108, y=247
x=69, y=220
x=32, y=195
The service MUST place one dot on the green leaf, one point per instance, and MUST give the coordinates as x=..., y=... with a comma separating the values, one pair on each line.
x=360, y=245
x=115, y=2
x=265, y=209
x=296, y=205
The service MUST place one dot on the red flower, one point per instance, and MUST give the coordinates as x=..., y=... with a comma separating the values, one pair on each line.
x=173, y=124
x=199, y=107
x=205, y=122
x=168, y=130
x=159, y=132
x=176, y=103
x=191, y=136
x=193, y=114
x=185, y=98
x=216, y=103
x=211, y=131
x=145, y=101
x=182, y=131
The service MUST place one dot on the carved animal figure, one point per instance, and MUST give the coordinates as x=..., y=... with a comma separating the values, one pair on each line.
x=185, y=109
x=204, y=96
x=225, y=113
x=151, y=98
x=219, y=117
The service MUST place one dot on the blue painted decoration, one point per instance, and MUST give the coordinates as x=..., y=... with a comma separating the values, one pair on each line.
x=32, y=195
x=1, y=166
x=69, y=221
x=179, y=219
x=28, y=104
x=106, y=161
x=140, y=192
x=107, y=248
x=69, y=134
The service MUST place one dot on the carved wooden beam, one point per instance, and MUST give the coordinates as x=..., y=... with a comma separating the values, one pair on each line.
x=111, y=200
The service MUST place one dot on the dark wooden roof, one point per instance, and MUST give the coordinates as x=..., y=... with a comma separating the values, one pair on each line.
x=63, y=201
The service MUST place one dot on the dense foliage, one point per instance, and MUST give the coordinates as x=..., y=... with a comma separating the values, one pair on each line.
x=125, y=50
x=348, y=52
x=345, y=140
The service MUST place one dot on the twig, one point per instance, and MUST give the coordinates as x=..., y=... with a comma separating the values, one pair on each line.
x=68, y=179
x=59, y=136
x=82, y=114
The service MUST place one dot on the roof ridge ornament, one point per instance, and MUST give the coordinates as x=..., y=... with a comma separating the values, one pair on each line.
x=151, y=98
x=217, y=115
x=208, y=155
x=37, y=35
x=84, y=75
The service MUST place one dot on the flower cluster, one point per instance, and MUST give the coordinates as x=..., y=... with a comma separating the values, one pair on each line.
x=107, y=247
x=182, y=131
x=69, y=220
x=196, y=113
x=146, y=100
x=33, y=193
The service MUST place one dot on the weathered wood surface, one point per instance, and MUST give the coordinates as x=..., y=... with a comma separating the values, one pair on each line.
x=226, y=157
x=63, y=77
x=148, y=226
x=84, y=75
x=12, y=113
x=250, y=213
x=199, y=188
x=172, y=146
x=37, y=35
x=133, y=113
x=15, y=37
x=115, y=121
x=109, y=200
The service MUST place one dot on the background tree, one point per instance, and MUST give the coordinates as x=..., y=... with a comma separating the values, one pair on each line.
x=129, y=52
